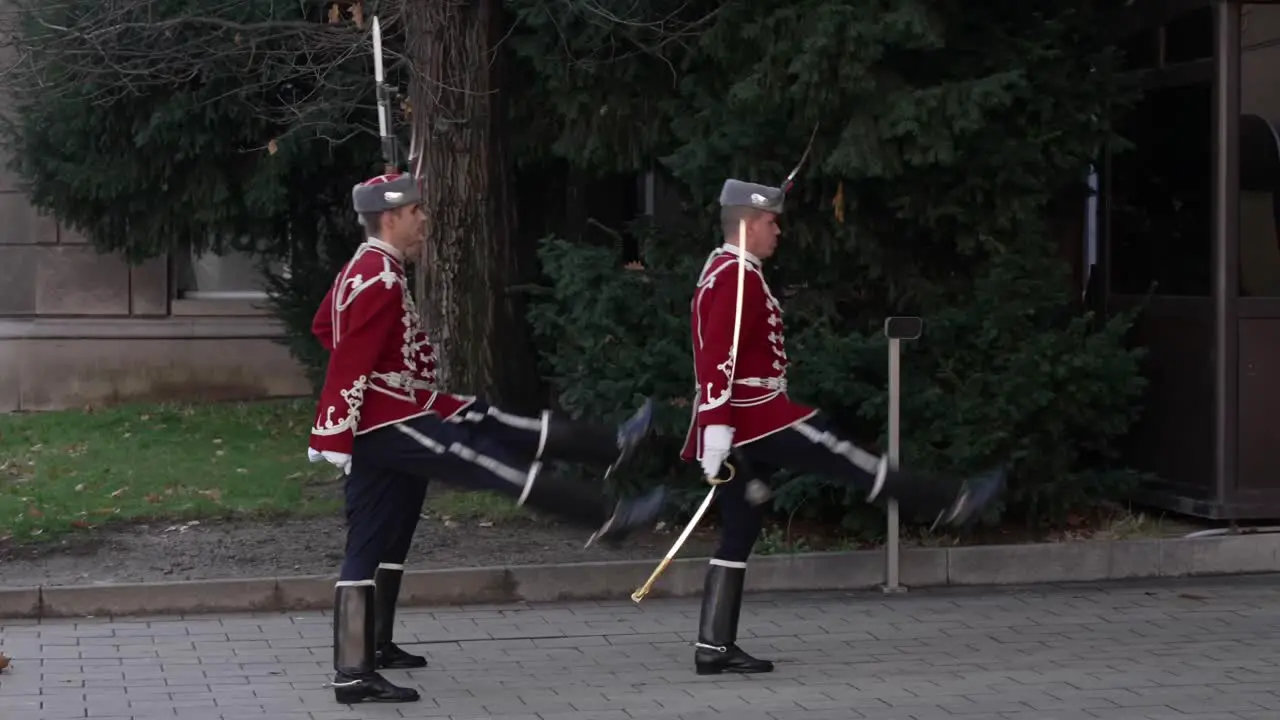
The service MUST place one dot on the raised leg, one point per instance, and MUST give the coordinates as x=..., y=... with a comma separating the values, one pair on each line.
x=485, y=449
x=561, y=438
x=555, y=436
x=816, y=446
x=594, y=444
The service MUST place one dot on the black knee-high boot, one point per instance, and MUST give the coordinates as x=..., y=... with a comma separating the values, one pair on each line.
x=578, y=441
x=717, y=649
x=389, y=655
x=583, y=503
x=356, y=680
x=942, y=499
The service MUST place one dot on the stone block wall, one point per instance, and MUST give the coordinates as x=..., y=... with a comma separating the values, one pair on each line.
x=80, y=328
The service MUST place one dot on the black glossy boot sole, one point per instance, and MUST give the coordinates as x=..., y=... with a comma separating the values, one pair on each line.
x=732, y=660
x=374, y=688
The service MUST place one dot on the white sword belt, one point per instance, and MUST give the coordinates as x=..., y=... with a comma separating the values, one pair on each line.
x=402, y=381
x=777, y=384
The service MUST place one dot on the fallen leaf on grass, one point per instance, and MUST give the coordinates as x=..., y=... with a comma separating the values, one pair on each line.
x=153, y=498
x=119, y=492
x=34, y=512
x=82, y=524
x=215, y=494
x=80, y=487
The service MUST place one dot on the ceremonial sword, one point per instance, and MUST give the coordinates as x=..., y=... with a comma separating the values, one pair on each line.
x=716, y=482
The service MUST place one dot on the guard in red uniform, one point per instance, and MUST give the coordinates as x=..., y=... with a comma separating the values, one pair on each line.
x=382, y=419
x=742, y=408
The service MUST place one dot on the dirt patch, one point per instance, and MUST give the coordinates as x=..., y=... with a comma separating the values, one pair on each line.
x=242, y=549
x=452, y=534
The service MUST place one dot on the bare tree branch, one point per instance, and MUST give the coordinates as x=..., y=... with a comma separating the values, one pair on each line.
x=294, y=63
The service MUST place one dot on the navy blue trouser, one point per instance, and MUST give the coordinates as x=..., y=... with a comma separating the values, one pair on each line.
x=382, y=509
x=481, y=448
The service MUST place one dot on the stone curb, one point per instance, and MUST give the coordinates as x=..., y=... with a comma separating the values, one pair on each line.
x=1088, y=561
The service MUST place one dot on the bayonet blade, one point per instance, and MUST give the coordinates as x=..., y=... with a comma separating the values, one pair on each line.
x=378, y=77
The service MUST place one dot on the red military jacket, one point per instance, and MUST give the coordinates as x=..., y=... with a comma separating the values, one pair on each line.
x=756, y=404
x=382, y=367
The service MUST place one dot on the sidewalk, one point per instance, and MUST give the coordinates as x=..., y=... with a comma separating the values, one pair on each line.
x=1201, y=650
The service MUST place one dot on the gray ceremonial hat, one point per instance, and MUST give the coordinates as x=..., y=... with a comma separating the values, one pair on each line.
x=737, y=193
x=385, y=192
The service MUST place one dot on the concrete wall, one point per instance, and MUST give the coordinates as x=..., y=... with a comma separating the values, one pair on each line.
x=56, y=363
x=80, y=328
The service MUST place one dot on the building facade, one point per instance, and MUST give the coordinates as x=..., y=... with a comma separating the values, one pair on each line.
x=1189, y=223
x=79, y=328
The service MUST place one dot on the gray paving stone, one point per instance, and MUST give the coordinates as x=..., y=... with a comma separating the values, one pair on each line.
x=1192, y=650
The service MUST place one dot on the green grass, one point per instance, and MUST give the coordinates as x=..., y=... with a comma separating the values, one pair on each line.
x=74, y=471
x=486, y=508
x=62, y=472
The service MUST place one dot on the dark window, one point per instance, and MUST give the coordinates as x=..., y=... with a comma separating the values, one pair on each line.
x=1189, y=37
x=1185, y=38
x=1260, y=151
x=1140, y=51
x=1160, y=193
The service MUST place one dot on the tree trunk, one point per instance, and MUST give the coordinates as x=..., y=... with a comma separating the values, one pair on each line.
x=471, y=257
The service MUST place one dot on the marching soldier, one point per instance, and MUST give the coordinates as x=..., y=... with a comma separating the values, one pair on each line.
x=382, y=419
x=742, y=408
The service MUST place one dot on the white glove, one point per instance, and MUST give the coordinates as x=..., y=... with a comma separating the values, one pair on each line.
x=716, y=442
x=341, y=460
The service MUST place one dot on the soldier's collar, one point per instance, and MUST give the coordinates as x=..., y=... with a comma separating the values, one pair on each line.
x=385, y=247
x=733, y=250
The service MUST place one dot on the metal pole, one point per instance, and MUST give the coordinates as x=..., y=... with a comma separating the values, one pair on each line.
x=896, y=329
x=892, y=558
